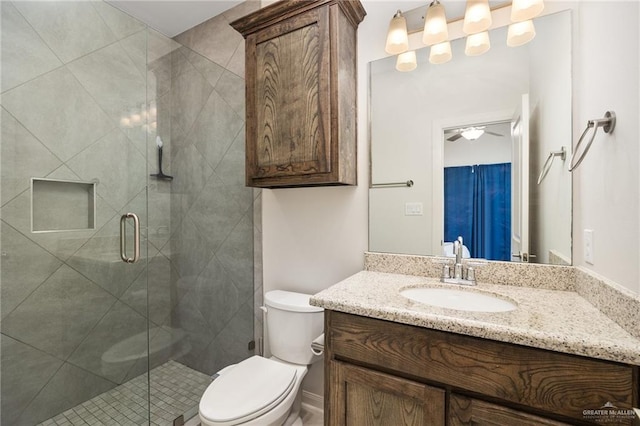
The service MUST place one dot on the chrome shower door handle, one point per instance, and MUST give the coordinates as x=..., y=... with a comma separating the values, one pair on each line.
x=123, y=238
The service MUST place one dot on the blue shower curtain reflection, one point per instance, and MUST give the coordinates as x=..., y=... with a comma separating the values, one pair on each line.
x=477, y=206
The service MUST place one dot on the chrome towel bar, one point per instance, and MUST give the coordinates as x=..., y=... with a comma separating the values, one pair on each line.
x=608, y=123
x=547, y=164
x=408, y=183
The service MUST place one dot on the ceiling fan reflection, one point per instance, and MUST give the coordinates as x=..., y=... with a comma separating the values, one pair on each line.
x=469, y=133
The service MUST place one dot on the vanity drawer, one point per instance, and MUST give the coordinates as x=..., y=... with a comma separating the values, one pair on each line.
x=552, y=382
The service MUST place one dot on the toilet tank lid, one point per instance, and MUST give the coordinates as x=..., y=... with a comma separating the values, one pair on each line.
x=290, y=301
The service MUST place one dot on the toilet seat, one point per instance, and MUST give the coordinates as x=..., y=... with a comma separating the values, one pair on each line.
x=248, y=390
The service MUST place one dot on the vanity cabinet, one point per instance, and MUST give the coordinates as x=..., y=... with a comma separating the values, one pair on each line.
x=301, y=92
x=377, y=370
x=366, y=397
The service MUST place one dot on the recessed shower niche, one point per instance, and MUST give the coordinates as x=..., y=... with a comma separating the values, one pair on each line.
x=62, y=205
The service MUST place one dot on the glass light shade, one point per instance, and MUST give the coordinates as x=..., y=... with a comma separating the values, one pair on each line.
x=477, y=44
x=472, y=133
x=523, y=10
x=477, y=16
x=407, y=61
x=520, y=33
x=435, y=25
x=397, y=38
x=440, y=53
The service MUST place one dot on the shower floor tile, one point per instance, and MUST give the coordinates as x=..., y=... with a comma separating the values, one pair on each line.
x=175, y=390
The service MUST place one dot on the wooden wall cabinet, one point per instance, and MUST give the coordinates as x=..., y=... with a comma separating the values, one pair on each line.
x=301, y=92
x=384, y=373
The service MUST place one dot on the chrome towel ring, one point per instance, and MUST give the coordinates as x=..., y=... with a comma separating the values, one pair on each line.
x=547, y=164
x=608, y=123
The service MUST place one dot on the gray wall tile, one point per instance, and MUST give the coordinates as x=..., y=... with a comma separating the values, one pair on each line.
x=25, y=370
x=121, y=24
x=25, y=266
x=112, y=79
x=215, y=212
x=24, y=54
x=58, y=111
x=236, y=255
x=68, y=304
x=23, y=157
x=112, y=347
x=216, y=128
x=70, y=28
x=69, y=387
x=213, y=39
x=119, y=168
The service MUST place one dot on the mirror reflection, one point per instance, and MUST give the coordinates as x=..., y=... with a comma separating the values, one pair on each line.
x=473, y=135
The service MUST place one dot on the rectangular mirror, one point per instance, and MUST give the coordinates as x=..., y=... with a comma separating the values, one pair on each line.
x=475, y=136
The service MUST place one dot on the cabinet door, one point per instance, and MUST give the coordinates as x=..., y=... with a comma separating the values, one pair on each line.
x=363, y=397
x=468, y=411
x=288, y=115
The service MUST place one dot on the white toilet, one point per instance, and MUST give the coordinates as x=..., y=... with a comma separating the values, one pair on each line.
x=266, y=391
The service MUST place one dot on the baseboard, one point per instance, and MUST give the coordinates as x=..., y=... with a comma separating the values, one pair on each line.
x=313, y=400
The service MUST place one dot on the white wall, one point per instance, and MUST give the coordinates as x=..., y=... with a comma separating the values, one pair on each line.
x=550, y=129
x=607, y=184
x=314, y=237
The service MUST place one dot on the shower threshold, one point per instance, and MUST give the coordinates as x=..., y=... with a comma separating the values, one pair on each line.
x=175, y=390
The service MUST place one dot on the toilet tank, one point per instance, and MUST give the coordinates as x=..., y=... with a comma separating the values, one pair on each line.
x=292, y=324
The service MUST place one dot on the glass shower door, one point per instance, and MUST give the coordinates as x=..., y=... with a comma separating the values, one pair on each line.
x=76, y=123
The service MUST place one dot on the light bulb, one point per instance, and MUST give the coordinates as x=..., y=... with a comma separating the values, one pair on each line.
x=477, y=44
x=477, y=16
x=440, y=53
x=472, y=133
x=407, y=61
x=523, y=10
x=520, y=33
x=435, y=25
x=397, y=38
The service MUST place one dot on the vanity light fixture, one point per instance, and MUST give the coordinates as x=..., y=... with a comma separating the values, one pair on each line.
x=407, y=61
x=440, y=53
x=476, y=23
x=477, y=16
x=397, y=37
x=472, y=133
x=477, y=44
x=520, y=33
x=523, y=10
x=435, y=25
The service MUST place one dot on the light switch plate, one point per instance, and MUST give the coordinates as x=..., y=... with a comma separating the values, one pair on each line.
x=588, y=246
x=413, y=209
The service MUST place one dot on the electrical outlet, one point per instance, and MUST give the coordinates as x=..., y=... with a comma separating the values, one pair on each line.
x=413, y=209
x=588, y=246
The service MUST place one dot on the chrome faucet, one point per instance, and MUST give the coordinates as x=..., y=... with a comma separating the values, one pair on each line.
x=457, y=250
x=462, y=274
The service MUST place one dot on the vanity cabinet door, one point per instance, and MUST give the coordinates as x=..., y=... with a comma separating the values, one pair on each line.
x=364, y=397
x=301, y=93
x=464, y=411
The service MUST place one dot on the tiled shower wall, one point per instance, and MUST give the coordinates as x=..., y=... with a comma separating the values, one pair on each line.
x=70, y=72
x=73, y=73
x=212, y=247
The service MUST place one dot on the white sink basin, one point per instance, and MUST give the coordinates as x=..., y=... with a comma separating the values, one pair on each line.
x=459, y=299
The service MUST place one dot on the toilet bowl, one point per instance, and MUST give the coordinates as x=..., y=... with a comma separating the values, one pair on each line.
x=267, y=391
x=257, y=391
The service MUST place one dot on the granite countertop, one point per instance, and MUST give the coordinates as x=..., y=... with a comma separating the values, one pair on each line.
x=557, y=320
